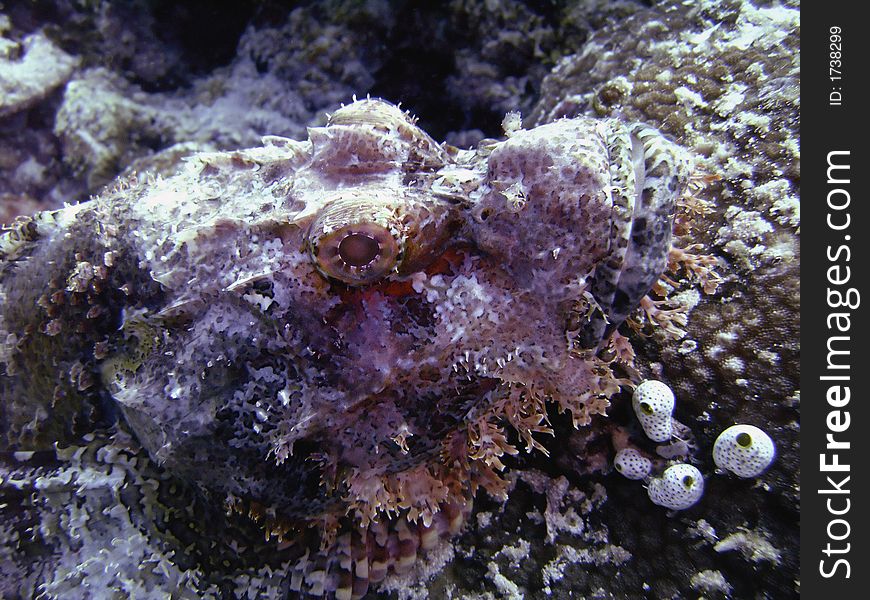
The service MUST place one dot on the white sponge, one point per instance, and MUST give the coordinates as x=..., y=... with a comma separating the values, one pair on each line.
x=745, y=450
x=679, y=487
x=653, y=403
x=632, y=464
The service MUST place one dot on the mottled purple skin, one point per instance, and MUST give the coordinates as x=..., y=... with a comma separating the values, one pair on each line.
x=258, y=359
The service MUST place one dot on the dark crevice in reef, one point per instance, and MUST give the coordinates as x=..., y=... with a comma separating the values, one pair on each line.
x=203, y=48
x=422, y=56
x=159, y=45
x=460, y=67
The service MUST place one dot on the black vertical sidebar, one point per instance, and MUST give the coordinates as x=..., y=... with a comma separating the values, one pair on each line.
x=835, y=299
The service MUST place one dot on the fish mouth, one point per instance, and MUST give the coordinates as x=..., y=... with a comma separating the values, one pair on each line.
x=660, y=178
x=650, y=179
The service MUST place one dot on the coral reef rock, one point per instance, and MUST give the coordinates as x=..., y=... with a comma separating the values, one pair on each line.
x=29, y=70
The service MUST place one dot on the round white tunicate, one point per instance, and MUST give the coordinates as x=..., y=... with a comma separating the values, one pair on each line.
x=632, y=464
x=679, y=487
x=745, y=450
x=653, y=403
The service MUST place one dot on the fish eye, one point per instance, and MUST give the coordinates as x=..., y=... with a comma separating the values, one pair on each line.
x=358, y=249
x=357, y=253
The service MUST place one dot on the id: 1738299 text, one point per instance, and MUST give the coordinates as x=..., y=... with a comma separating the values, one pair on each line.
x=835, y=65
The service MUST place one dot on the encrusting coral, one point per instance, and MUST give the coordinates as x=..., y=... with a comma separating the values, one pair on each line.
x=298, y=363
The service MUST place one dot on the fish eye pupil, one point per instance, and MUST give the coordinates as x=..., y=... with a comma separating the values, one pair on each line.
x=358, y=249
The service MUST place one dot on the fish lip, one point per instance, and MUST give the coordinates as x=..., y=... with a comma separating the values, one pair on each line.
x=639, y=166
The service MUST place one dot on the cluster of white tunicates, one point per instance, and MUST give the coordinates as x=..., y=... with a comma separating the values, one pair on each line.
x=744, y=450
x=681, y=485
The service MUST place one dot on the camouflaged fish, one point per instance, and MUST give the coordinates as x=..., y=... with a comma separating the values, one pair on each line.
x=287, y=370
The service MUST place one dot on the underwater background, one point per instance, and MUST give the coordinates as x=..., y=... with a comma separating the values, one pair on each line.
x=97, y=92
